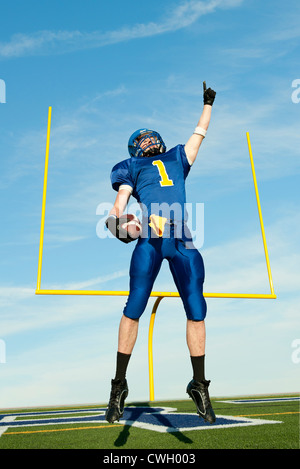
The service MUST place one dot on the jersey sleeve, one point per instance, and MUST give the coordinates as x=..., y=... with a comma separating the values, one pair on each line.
x=181, y=154
x=120, y=175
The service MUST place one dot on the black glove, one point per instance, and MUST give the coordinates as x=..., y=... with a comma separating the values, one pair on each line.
x=114, y=226
x=208, y=95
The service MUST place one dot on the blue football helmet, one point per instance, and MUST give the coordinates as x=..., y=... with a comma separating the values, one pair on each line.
x=155, y=147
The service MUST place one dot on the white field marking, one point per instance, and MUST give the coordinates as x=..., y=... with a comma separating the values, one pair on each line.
x=159, y=419
x=261, y=401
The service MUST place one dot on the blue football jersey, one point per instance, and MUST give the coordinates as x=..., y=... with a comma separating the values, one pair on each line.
x=157, y=182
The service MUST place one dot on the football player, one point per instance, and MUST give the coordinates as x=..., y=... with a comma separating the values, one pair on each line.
x=156, y=177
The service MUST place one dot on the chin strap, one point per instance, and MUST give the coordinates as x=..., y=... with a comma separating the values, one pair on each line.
x=152, y=152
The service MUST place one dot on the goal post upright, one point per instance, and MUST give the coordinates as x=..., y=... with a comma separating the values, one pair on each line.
x=41, y=245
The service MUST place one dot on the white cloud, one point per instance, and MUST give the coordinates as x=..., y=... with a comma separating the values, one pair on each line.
x=13, y=294
x=95, y=281
x=45, y=42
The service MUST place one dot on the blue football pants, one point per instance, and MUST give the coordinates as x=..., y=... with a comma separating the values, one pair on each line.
x=187, y=268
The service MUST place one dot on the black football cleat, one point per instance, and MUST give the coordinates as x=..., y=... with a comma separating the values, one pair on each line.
x=198, y=391
x=119, y=392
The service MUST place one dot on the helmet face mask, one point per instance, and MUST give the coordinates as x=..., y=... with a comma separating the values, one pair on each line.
x=145, y=143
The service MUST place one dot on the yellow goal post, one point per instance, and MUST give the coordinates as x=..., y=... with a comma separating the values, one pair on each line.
x=158, y=294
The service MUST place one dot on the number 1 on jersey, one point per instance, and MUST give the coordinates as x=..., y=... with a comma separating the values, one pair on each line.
x=165, y=181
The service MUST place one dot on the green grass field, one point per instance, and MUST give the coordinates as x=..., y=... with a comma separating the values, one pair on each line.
x=256, y=423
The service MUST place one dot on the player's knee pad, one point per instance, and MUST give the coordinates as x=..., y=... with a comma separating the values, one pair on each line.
x=196, y=311
x=136, y=303
x=132, y=314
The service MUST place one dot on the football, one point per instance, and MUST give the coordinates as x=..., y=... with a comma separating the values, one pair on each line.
x=131, y=224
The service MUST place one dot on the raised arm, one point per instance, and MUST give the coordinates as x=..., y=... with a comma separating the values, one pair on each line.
x=193, y=144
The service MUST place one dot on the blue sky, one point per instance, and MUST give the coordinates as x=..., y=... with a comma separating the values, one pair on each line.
x=108, y=68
